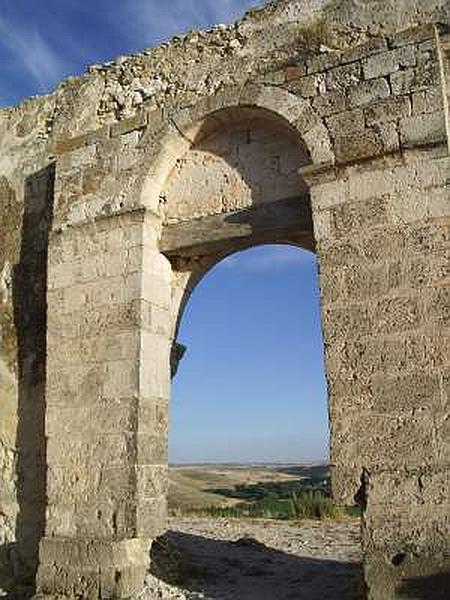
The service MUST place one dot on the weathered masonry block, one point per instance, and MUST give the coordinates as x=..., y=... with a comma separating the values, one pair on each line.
x=321, y=124
x=106, y=389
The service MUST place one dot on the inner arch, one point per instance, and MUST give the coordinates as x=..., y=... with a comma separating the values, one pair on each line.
x=239, y=158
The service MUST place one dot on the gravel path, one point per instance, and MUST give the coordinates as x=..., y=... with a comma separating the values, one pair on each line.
x=227, y=559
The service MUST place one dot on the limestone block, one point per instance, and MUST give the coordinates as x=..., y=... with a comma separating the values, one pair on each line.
x=437, y=306
x=381, y=244
x=131, y=124
x=95, y=320
x=423, y=129
x=403, y=82
x=103, y=519
x=152, y=481
x=323, y=62
x=364, y=283
x=340, y=322
x=105, y=415
x=373, y=46
x=420, y=271
x=358, y=145
x=388, y=110
x=414, y=80
x=275, y=77
x=345, y=123
x=330, y=103
x=417, y=392
x=118, y=568
x=101, y=485
x=385, y=63
x=318, y=139
x=152, y=449
x=343, y=77
x=391, y=533
x=328, y=194
x=392, y=443
x=153, y=417
x=323, y=225
x=388, y=135
x=340, y=254
x=369, y=92
x=391, y=353
x=155, y=373
x=407, y=56
x=381, y=65
x=79, y=157
x=354, y=216
x=306, y=120
x=397, y=313
x=73, y=384
x=306, y=87
x=160, y=321
x=111, y=450
x=413, y=35
x=428, y=101
x=414, y=488
x=82, y=351
x=415, y=208
x=109, y=294
x=52, y=581
x=152, y=517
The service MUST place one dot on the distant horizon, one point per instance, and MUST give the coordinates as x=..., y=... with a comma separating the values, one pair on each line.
x=287, y=463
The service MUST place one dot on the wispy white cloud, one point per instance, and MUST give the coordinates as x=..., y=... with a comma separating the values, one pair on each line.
x=264, y=258
x=28, y=48
x=154, y=21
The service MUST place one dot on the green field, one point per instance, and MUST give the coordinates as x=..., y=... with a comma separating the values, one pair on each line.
x=254, y=491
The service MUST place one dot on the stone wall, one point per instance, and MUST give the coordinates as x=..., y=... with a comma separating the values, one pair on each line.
x=383, y=250
x=360, y=94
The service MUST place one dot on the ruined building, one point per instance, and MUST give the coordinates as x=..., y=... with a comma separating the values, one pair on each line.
x=321, y=123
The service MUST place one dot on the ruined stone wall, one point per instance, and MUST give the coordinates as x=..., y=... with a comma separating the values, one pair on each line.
x=357, y=83
x=26, y=191
x=387, y=345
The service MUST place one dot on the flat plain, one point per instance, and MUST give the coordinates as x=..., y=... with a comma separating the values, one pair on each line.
x=199, y=486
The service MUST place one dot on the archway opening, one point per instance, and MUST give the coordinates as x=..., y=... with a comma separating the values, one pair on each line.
x=249, y=438
x=251, y=386
x=249, y=402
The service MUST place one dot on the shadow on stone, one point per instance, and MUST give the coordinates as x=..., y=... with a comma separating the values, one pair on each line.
x=249, y=570
x=434, y=587
x=30, y=319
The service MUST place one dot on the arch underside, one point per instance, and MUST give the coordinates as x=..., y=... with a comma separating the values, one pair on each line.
x=283, y=221
x=237, y=185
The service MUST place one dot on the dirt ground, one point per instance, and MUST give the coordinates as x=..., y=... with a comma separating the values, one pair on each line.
x=227, y=559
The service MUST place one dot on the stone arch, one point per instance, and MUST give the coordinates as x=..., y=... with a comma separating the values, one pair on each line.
x=184, y=126
x=380, y=227
x=256, y=204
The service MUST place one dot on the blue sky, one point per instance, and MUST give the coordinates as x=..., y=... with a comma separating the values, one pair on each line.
x=43, y=41
x=251, y=386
